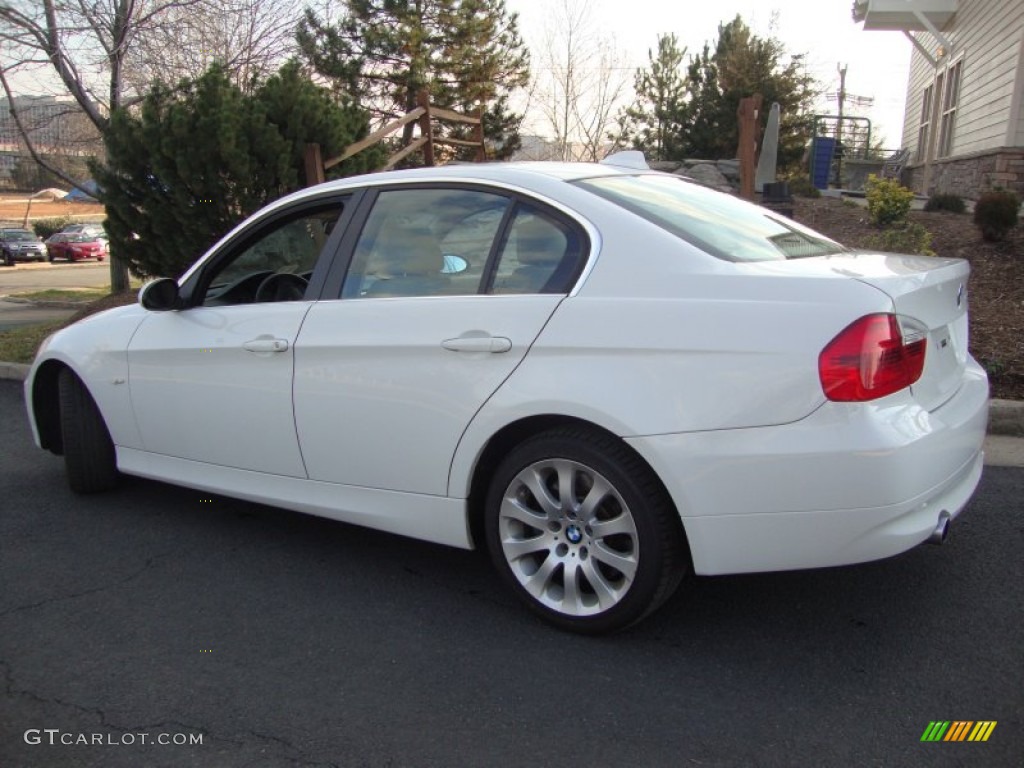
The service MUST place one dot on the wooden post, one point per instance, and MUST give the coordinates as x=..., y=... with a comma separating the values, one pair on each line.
x=747, y=150
x=426, y=129
x=314, y=165
x=478, y=135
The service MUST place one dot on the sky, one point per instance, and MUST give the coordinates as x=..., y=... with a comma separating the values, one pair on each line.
x=823, y=30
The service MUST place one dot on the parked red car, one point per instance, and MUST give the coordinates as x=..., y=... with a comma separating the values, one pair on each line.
x=75, y=246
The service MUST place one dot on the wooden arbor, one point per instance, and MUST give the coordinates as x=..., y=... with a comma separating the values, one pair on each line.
x=426, y=115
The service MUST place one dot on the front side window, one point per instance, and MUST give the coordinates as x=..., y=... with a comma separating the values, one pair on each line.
x=719, y=224
x=275, y=263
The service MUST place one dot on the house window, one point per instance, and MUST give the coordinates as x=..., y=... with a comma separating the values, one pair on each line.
x=926, y=124
x=949, y=103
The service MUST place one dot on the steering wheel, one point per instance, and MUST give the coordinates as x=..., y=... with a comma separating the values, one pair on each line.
x=283, y=286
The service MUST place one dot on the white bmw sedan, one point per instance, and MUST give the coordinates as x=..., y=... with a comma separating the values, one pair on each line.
x=606, y=376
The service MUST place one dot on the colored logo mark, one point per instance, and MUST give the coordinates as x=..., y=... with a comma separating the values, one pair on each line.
x=958, y=730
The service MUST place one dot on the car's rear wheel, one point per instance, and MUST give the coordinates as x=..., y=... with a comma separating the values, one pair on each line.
x=583, y=531
x=88, y=450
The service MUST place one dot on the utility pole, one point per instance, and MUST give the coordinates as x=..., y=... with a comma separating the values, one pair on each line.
x=839, y=125
x=859, y=145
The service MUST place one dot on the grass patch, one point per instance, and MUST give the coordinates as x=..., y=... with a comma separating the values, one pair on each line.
x=19, y=345
x=72, y=295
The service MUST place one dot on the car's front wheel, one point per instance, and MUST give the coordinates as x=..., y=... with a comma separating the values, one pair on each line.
x=88, y=450
x=583, y=531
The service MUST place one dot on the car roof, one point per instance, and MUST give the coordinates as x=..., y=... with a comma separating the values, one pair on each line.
x=519, y=171
x=533, y=175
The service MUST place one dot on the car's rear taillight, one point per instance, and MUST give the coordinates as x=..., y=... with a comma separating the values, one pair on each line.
x=871, y=358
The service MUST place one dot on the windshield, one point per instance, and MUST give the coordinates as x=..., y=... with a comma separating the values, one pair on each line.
x=724, y=226
x=19, y=235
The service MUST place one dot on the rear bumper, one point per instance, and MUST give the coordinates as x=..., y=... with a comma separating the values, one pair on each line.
x=848, y=484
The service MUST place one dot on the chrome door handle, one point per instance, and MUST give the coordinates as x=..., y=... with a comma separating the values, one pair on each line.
x=266, y=344
x=493, y=344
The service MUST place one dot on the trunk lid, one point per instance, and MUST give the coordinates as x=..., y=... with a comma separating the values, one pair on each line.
x=929, y=295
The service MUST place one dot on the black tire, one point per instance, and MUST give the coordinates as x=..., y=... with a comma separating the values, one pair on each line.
x=642, y=531
x=88, y=450
x=8, y=260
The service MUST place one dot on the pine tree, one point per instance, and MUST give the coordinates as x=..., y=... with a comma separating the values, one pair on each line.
x=710, y=133
x=464, y=53
x=654, y=123
x=198, y=158
x=742, y=65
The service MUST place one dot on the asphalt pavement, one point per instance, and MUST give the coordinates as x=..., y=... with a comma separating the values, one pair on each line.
x=23, y=278
x=277, y=639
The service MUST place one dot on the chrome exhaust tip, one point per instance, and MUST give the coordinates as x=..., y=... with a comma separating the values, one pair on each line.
x=941, y=529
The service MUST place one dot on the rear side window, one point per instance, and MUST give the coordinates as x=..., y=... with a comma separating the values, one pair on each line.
x=425, y=242
x=539, y=255
x=724, y=226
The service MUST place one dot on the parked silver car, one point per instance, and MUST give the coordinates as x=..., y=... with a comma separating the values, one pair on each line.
x=20, y=245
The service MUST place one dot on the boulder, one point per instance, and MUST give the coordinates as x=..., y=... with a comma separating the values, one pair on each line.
x=706, y=174
x=667, y=166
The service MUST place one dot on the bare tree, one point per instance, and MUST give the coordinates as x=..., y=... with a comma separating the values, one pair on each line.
x=86, y=45
x=102, y=53
x=581, y=82
x=251, y=39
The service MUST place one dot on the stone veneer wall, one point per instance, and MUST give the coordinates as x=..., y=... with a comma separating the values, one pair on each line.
x=970, y=175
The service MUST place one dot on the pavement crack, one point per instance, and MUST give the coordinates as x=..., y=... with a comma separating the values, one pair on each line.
x=299, y=759
x=288, y=751
x=150, y=562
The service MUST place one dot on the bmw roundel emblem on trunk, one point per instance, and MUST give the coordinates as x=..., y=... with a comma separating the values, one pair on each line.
x=960, y=295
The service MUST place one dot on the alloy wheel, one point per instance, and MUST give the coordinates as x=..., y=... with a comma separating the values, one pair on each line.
x=568, y=537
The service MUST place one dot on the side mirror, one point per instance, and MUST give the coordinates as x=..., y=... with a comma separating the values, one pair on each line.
x=159, y=295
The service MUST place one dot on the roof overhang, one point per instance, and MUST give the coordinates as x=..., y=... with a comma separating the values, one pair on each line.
x=904, y=15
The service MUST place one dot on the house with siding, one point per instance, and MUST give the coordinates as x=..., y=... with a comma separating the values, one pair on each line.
x=964, y=122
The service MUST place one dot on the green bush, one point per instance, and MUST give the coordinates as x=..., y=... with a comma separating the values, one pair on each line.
x=193, y=160
x=888, y=201
x=802, y=186
x=945, y=202
x=910, y=237
x=46, y=227
x=995, y=213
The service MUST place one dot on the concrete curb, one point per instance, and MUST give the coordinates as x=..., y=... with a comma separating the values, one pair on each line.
x=1005, y=417
x=45, y=304
x=13, y=371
